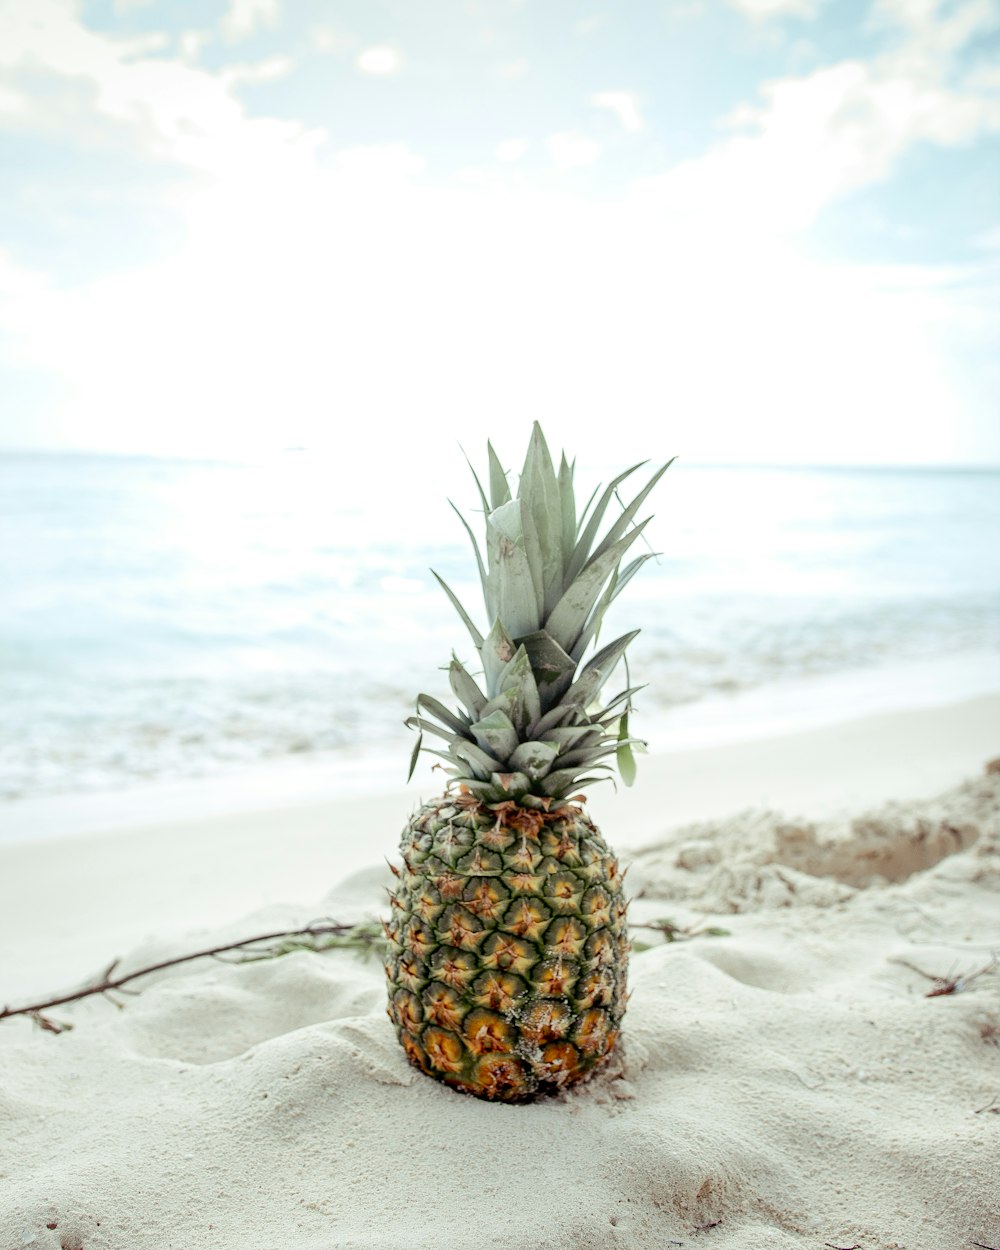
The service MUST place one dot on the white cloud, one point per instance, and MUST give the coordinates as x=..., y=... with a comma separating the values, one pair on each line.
x=13, y=103
x=191, y=44
x=513, y=69
x=379, y=61
x=761, y=10
x=312, y=302
x=261, y=71
x=392, y=162
x=509, y=150
x=331, y=40
x=572, y=150
x=173, y=109
x=244, y=18
x=818, y=137
x=361, y=306
x=624, y=105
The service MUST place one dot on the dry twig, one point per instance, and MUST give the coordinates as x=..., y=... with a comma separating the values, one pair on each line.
x=359, y=936
x=949, y=984
x=266, y=946
x=675, y=932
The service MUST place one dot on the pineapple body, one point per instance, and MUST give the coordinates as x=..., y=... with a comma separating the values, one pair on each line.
x=507, y=942
x=508, y=947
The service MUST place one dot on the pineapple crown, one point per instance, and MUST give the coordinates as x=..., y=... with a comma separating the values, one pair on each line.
x=537, y=732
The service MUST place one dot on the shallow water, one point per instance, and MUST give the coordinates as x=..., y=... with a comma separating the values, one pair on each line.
x=167, y=618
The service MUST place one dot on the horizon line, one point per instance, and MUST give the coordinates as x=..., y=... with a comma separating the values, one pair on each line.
x=844, y=466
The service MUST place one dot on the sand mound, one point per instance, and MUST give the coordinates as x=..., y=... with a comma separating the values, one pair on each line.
x=763, y=859
x=789, y=1085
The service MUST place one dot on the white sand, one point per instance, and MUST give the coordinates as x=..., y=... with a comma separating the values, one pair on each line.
x=790, y=1081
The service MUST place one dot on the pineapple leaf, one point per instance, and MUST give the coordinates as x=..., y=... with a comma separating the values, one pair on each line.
x=539, y=491
x=477, y=637
x=520, y=691
x=479, y=486
x=552, y=667
x=513, y=784
x=510, y=576
x=565, y=780
x=496, y=733
x=465, y=687
x=534, y=759
x=496, y=651
x=626, y=518
x=446, y=717
x=479, y=759
x=567, y=620
x=614, y=588
x=415, y=755
x=551, y=719
x=607, y=713
x=499, y=486
x=597, y=671
x=581, y=552
x=428, y=726
x=583, y=515
x=584, y=757
x=567, y=506
x=567, y=737
x=623, y=755
x=508, y=520
x=475, y=548
x=485, y=789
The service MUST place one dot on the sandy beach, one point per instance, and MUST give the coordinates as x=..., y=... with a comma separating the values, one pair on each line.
x=789, y=1084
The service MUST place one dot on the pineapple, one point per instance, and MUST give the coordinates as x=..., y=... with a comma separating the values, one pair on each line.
x=507, y=942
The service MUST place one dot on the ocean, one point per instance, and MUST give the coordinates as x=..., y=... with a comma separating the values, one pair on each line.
x=167, y=618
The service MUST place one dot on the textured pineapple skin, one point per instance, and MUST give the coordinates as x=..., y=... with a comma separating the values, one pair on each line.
x=507, y=947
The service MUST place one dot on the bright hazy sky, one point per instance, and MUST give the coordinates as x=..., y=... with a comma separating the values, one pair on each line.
x=763, y=230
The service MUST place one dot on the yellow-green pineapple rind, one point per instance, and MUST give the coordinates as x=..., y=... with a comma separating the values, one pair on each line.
x=508, y=947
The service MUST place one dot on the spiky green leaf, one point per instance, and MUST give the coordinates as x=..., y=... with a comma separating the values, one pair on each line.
x=627, y=517
x=623, y=755
x=567, y=621
x=496, y=733
x=539, y=491
x=482, y=761
x=414, y=755
x=496, y=651
x=581, y=552
x=499, y=486
x=475, y=547
x=465, y=687
x=616, y=584
x=534, y=759
x=552, y=667
x=510, y=577
x=567, y=508
x=443, y=714
x=479, y=486
x=519, y=690
x=474, y=633
x=597, y=671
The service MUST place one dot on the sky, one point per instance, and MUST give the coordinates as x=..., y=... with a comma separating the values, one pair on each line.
x=744, y=231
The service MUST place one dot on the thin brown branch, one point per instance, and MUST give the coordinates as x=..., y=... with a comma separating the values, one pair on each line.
x=251, y=949
x=678, y=933
x=949, y=984
x=356, y=935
